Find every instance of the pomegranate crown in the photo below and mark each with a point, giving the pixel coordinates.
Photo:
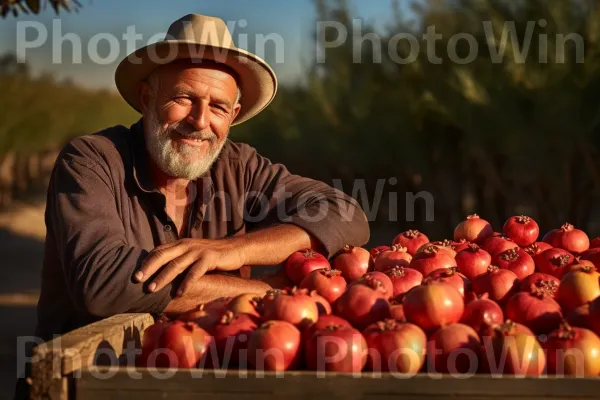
(560, 260)
(567, 227)
(472, 216)
(523, 219)
(509, 255)
(412, 234)
(399, 248)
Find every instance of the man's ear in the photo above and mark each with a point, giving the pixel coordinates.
(236, 111)
(144, 93)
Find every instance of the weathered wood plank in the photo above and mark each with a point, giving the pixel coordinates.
(131, 383)
(59, 358)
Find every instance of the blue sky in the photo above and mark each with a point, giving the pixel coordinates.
(293, 20)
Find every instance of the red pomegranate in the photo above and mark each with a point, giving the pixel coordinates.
(595, 243)
(275, 346)
(375, 252)
(497, 244)
(433, 305)
(592, 255)
(473, 261)
(594, 319)
(397, 308)
(482, 313)
(537, 248)
(205, 319)
(460, 245)
(295, 306)
(353, 262)
(569, 238)
(245, 303)
(536, 310)
(554, 262)
(513, 350)
(385, 280)
(395, 346)
(412, 240)
(452, 277)
(396, 256)
(473, 229)
(500, 284)
(573, 351)
(328, 283)
(231, 336)
(301, 263)
(323, 322)
(522, 230)
(578, 287)
(403, 279)
(538, 279)
(430, 259)
(322, 305)
(454, 348)
(580, 317)
(336, 348)
(364, 303)
(517, 261)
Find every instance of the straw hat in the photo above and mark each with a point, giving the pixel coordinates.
(198, 38)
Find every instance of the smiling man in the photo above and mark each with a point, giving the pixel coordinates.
(163, 215)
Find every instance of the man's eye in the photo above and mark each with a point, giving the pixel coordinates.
(219, 107)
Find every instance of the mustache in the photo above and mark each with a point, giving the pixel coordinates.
(189, 132)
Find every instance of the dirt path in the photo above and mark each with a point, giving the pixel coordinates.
(22, 232)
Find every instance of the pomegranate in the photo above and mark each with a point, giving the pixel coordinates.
(151, 341)
(536, 310)
(517, 261)
(375, 252)
(323, 322)
(554, 262)
(482, 313)
(328, 283)
(573, 351)
(302, 263)
(579, 264)
(460, 245)
(364, 303)
(537, 248)
(498, 244)
(433, 305)
(473, 229)
(412, 240)
(403, 279)
(578, 287)
(444, 246)
(571, 239)
(353, 262)
(218, 305)
(395, 346)
(396, 256)
(580, 317)
(294, 305)
(205, 319)
(473, 261)
(385, 280)
(500, 284)
(336, 348)
(452, 277)
(231, 336)
(397, 309)
(322, 305)
(454, 348)
(176, 344)
(430, 259)
(245, 303)
(538, 279)
(594, 318)
(595, 243)
(511, 350)
(522, 230)
(592, 255)
(275, 346)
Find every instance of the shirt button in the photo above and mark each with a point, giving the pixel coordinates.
(167, 228)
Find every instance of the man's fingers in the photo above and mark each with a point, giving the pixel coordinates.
(170, 271)
(197, 270)
(156, 259)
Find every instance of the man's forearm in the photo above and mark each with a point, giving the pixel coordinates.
(272, 246)
(213, 286)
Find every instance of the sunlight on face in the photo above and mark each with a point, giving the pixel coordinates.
(187, 118)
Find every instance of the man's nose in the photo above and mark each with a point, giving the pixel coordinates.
(199, 117)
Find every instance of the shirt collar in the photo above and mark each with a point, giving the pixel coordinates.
(143, 176)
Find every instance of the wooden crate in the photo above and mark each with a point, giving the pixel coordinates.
(68, 368)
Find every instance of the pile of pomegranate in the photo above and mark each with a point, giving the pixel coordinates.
(484, 302)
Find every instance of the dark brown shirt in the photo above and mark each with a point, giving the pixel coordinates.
(104, 214)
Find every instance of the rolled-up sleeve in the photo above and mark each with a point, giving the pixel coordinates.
(273, 195)
(98, 263)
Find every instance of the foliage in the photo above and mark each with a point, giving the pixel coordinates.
(16, 7)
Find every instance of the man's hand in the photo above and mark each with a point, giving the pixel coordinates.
(198, 255)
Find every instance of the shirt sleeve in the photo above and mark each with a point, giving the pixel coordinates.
(274, 195)
(98, 263)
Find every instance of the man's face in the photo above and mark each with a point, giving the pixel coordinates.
(188, 110)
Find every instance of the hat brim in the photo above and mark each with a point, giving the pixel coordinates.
(256, 79)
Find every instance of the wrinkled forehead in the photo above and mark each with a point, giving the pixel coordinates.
(220, 73)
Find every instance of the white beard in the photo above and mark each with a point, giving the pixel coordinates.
(175, 162)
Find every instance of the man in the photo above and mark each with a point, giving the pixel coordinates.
(160, 217)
